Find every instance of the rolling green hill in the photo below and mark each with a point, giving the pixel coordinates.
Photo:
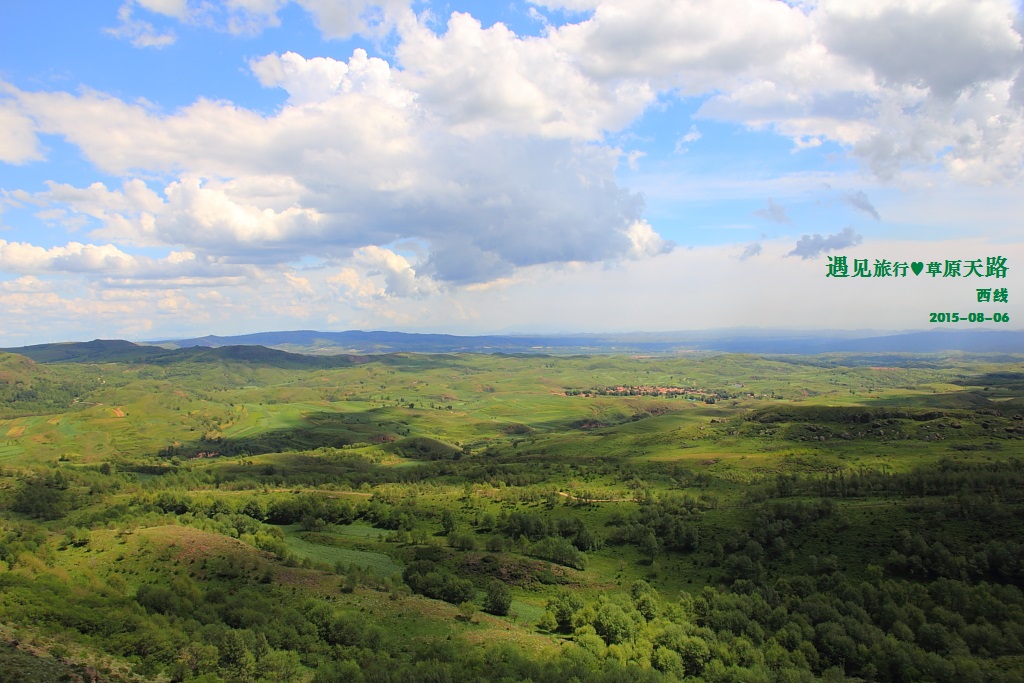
(245, 514)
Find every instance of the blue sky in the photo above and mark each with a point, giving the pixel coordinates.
(171, 168)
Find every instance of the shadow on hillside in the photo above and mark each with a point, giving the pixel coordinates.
(383, 425)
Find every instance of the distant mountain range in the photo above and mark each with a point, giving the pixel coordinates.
(330, 349)
(357, 341)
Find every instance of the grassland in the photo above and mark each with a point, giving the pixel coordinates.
(270, 518)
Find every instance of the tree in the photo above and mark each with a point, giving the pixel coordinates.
(46, 497)
(613, 624)
(467, 611)
(448, 522)
(668, 661)
(645, 599)
(235, 657)
(498, 599)
(547, 622)
(563, 608)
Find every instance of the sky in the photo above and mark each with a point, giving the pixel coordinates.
(177, 168)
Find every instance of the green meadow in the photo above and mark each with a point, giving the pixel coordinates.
(512, 517)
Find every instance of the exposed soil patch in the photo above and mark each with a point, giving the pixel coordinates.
(587, 425)
(512, 570)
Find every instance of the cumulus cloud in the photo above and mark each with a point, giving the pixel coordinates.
(480, 80)
(776, 213)
(211, 219)
(645, 242)
(400, 277)
(349, 283)
(898, 84)
(810, 246)
(307, 81)
(354, 158)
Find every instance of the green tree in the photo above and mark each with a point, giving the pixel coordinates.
(448, 522)
(668, 661)
(498, 599)
(548, 622)
(236, 659)
(564, 607)
(645, 599)
(613, 624)
(280, 666)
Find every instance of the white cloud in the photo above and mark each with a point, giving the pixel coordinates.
(178, 9)
(480, 80)
(238, 17)
(320, 79)
(18, 142)
(682, 144)
(210, 218)
(645, 242)
(19, 257)
(900, 84)
(354, 158)
(141, 33)
(348, 283)
(24, 285)
(117, 267)
(339, 19)
(307, 81)
(299, 285)
(946, 46)
(96, 201)
(399, 276)
(491, 150)
(336, 19)
(692, 45)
